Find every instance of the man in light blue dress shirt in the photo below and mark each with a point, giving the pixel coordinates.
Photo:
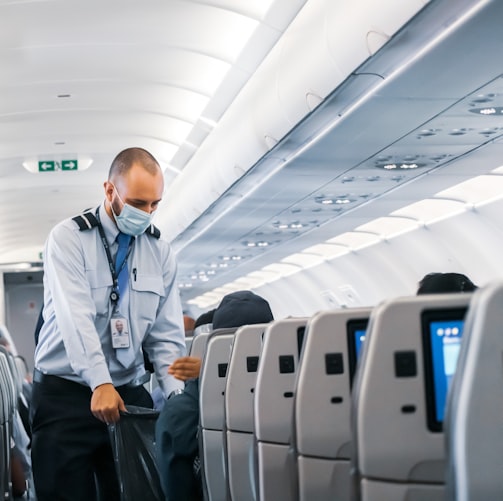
(82, 379)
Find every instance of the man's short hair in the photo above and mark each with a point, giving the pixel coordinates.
(130, 156)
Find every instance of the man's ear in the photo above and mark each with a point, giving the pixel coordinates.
(109, 190)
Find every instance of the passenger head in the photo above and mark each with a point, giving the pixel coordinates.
(438, 283)
(188, 325)
(241, 308)
(133, 190)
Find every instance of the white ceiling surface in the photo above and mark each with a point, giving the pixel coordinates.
(263, 117)
(87, 79)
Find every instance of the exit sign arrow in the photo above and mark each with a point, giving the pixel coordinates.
(47, 165)
(69, 165)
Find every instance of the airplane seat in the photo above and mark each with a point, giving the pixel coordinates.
(322, 403)
(474, 414)
(211, 407)
(273, 409)
(8, 397)
(238, 410)
(198, 345)
(188, 343)
(398, 444)
(4, 428)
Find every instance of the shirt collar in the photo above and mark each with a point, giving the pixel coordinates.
(109, 226)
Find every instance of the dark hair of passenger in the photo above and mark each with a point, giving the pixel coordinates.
(444, 283)
(130, 156)
(241, 308)
(204, 318)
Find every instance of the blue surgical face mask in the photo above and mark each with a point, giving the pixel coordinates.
(131, 221)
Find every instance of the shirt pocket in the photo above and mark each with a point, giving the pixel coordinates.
(148, 291)
(100, 284)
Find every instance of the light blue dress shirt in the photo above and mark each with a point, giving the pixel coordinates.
(75, 340)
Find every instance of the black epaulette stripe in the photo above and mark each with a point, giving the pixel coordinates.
(154, 231)
(86, 221)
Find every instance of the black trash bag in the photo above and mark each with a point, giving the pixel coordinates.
(133, 446)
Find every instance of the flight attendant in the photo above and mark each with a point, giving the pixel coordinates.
(103, 268)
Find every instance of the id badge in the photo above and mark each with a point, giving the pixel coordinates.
(120, 332)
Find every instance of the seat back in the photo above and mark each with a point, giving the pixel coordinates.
(198, 345)
(8, 395)
(211, 406)
(323, 435)
(397, 437)
(5, 413)
(188, 343)
(273, 409)
(474, 416)
(238, 406)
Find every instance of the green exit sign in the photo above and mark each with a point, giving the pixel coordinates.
(69, 165)
(52, 165)
(47, 166)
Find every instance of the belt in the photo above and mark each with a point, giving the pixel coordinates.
(40, 377)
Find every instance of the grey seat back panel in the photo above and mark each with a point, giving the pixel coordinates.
(322, 405)
(211, 406)
(239, 447)
(392, 441)
(213, 467)
(323, 479)
(324, 384)
(474, 420)
(381, 491)
(273, 409)
(242, 377)
(239, 396)
(273, 405)
(198, 345)
(277, 480)
(214, 377)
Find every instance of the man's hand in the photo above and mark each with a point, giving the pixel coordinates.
(106, 403)
(185, 368)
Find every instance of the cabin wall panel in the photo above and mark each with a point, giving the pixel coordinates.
(468, 243)
(22, 307)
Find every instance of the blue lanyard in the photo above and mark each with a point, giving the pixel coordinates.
(114, 295)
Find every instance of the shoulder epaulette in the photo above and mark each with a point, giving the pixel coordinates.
(86, 221)
(153, 231)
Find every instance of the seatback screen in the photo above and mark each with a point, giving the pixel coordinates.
(356, 330)
(442, 331)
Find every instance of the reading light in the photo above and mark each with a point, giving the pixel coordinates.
(330, 199)
(185, 286)
(294, 225)
(487, 111)
(401, 165)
